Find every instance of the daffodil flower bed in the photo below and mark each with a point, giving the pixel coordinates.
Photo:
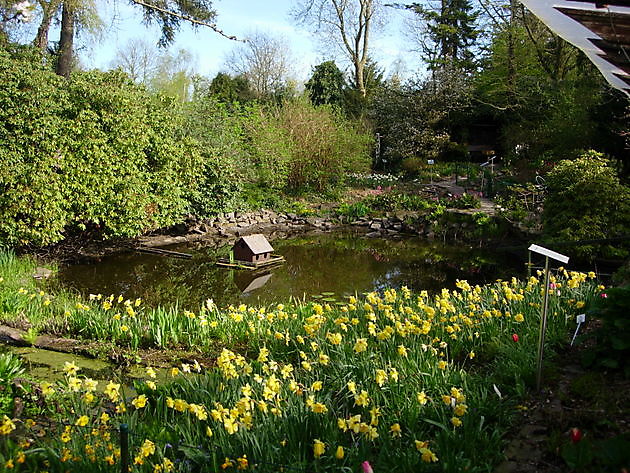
(403, 381)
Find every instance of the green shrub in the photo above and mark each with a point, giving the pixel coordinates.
(325, 145)
(612, 350)
(467, 200)
(355, 210)
(392, 201)
(269, 149)
(413, 166)
(218, 130)
(585, 201)
(96, 152)
(10, 368)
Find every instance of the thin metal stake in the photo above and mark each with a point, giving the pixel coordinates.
(543, 326)
(124, 448)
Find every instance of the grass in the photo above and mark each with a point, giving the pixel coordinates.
(405, 381)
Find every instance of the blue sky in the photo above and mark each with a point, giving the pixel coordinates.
(238, 17)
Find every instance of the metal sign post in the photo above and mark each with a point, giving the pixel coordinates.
(431, 162)
(543, 319)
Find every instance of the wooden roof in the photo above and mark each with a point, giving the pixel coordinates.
(257, 243)
(613, 29)
(599, 28)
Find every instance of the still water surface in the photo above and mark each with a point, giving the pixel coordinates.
(340, 263)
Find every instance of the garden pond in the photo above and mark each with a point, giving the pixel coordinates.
(319, 265)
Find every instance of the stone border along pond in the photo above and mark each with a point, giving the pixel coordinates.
(453, 225)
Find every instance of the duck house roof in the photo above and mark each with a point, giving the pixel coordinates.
(257, 243)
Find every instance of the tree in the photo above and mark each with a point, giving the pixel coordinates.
(174, 75)
(138, 59)
(415, 119)
(169, 14)
(265, 61)
(547, 97)
(356, 102)
(447, 33)
(227, 89)
(13, 12)
(350, 22)
(49, 11)
(326, 84)
(66, 40)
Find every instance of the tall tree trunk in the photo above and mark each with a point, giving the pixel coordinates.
(511, 56)
(66, 40)
(48, 12)
(358, 74)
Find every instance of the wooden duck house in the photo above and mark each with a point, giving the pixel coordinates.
(252, 249)
(251, 252)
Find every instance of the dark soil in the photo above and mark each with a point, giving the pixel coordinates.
(595, 402)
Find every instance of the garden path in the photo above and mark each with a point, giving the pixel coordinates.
(487, 205)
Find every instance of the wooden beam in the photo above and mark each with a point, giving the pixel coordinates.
(606, 3)
(611, 48)
(621, 63)
(623, 77)
(611, 26)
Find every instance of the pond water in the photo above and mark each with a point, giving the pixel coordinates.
(47, 365)
(340, 263)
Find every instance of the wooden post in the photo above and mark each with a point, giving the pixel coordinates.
(124, 448)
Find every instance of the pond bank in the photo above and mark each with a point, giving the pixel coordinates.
(453, 225)
(482, 225)
(58, 346)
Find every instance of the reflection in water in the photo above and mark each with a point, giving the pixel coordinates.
(343, 263)
(249, 281)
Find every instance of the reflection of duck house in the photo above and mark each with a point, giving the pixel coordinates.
(250, 281)
(251, 252)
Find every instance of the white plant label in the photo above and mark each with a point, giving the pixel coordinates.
(547, 252)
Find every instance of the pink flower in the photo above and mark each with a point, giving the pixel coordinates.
(575, 434)
(603, 295)
(552, 285)
(367, 468)
(515, 337)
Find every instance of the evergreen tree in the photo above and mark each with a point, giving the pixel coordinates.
(449, 32)
(326, 84)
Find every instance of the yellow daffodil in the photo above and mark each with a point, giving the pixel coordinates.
(360, 345)
(82, 421)
(319, 448)
(140, 401)
(47, 389)
(70, 368)
(427, 455)
(339, 453)
(7, 426)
